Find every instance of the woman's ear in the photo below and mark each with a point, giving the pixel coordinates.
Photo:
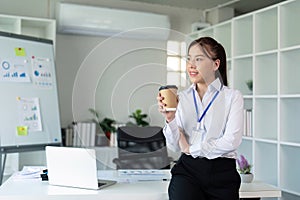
(217, 64)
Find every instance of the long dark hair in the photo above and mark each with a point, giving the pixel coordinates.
(214, 51)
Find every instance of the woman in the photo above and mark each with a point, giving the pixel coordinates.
(206, 127)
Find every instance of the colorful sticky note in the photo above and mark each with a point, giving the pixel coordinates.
(22, 130)
(20, 51)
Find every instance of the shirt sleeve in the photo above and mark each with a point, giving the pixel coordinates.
(231, 138)
(171, 132)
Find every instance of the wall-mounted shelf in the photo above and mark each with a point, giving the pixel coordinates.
(264, 46)
(36, 27)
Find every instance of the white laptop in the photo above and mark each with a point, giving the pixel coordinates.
(73, 167)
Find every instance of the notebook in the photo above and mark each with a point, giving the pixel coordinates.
(74, 167)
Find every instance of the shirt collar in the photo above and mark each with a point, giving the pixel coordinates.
(216, 85)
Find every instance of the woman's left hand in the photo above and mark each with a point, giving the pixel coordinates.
(183, 144)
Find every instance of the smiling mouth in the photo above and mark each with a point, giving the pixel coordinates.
(192, 74)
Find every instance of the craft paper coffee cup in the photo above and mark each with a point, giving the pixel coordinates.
(169, 92)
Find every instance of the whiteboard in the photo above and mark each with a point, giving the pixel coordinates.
(29, 101)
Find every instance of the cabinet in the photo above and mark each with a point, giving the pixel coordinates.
(36, 27)
(264, 46)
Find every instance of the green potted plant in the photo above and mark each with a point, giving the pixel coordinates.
(106, 124)
(249, 83)
(138, 116)
(245, 169)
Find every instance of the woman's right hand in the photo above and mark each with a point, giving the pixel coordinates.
(169, 115)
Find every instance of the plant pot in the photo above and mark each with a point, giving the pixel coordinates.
(107, 134)
(246, 178)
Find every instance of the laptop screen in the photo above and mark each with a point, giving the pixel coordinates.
(74, 167)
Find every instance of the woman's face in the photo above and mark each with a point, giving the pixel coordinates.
(200, 68)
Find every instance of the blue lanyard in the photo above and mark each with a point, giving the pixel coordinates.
(208, 106)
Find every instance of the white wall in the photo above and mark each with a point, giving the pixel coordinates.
(107, 102)
(128, 82)
(72, 50)
(115, 76)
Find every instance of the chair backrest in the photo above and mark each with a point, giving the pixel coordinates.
(141, 148)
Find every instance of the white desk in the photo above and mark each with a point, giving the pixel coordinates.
(258, 190)
(31, 189)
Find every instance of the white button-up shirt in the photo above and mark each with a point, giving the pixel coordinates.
(223, 122)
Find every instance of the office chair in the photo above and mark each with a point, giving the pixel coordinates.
(142, 148)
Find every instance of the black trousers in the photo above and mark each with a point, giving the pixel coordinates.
(204, 179)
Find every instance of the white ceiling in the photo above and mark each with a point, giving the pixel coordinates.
(240, 6)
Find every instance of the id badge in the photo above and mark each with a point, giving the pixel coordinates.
(198, 134)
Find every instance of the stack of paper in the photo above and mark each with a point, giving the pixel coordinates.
(68, 137)
(29, 172)
(84, 134)
(247, 122)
